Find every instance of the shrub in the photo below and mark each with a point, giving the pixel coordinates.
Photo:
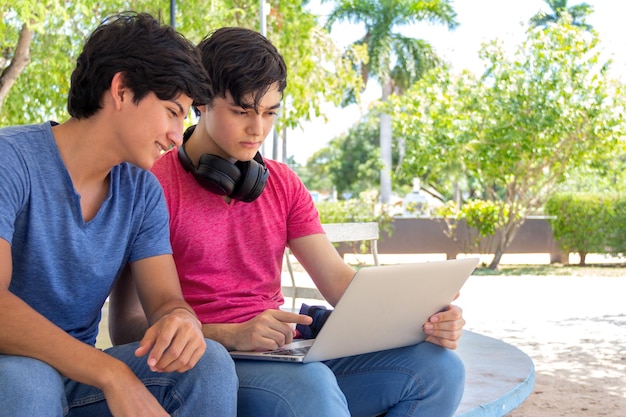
(482, 218)
(585, 223)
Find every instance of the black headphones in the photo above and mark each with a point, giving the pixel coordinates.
(243, 180)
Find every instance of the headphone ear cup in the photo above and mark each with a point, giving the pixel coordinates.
(217, 174)
(253, 178)
(242, 181)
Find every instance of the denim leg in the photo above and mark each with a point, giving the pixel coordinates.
(420, 380)
(281, 389)
(30, 388)
(208, 389)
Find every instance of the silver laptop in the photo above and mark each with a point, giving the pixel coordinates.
(384, 307)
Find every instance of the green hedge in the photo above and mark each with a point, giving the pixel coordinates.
(365, 208)
(588, 223)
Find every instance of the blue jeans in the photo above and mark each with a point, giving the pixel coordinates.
(420, 380)
(33, 388)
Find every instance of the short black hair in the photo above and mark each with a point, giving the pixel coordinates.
(151, 56)
(242, 62)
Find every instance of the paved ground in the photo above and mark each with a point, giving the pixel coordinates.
(574, 329)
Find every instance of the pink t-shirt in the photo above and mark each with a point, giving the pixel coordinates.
(229, 256)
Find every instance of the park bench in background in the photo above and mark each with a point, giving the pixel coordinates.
(352, 233)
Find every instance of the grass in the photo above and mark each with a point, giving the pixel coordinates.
(603, 270)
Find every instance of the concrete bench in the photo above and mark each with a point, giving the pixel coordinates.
(499, 376)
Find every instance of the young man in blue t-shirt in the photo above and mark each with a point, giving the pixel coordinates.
(76, 206)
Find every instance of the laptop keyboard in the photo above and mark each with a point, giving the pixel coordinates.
(290, 352)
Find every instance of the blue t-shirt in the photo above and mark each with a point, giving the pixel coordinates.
(63, 267)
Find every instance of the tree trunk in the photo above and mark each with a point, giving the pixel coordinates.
(20, 60)
(385, 148)
(497, 257)
(506, 237)
(275, 146)
(285, 156)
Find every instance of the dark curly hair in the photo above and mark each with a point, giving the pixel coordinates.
(242, 62)
(151, 56)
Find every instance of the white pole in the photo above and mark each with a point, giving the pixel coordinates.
(263, 29)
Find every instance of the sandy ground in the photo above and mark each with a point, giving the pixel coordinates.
(574, 329)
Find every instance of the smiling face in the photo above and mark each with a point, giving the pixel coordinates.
(152, 126)
(237, 132)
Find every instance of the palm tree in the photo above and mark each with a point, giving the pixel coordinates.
(559, 8)
(396, 61)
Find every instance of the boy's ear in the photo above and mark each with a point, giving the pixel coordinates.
(118, 90)
(201, 109)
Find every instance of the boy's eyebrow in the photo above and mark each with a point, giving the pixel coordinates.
(245, 105)
(180, 106)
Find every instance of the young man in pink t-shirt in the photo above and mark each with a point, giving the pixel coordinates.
(232, 214)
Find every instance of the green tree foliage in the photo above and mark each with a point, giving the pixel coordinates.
(602, 175)
(482, 219)
(315, 174)
(37, 36)
(350, 162)
(38, 90)
(361, 209)
(396, 61)
(318, 71)
(561, 11)
(518, 130)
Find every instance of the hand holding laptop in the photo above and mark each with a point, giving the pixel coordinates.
(446, 327)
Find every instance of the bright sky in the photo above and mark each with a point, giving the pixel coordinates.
(479, 21)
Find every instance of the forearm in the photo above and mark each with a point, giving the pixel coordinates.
(153, 294)
(168, 308)
(127, 330)
(134, 323)
(322, 262)
(333, 279)
(224, 333)
(25, 332)
(128, 321)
